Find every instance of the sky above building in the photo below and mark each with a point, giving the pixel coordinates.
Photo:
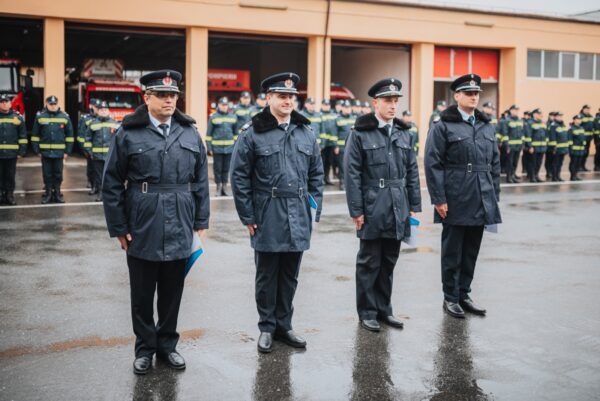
(546, 7)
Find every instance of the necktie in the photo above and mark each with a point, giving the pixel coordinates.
(471, 120)
(387, 129)
(283, 126)
(165, 129)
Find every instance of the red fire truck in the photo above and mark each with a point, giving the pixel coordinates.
(230, 83)
(103, 79)
(12, 83)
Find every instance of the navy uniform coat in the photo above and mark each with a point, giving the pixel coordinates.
(382, 178)
(267, 160)
(160, 223)
(452, 144)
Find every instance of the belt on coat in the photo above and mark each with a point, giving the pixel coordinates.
(284, 192)
(385, 183)
(470, 167)
(147, 187)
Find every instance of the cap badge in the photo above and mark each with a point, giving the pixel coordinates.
(288, 83)
(393, 88)
(473, 83)
(168, 81)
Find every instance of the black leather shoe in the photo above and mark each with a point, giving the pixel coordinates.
(265, 342)
(392, 321)
(46, 197)
(10, 199)
(371, 325)
(469, 306)
(93, 191)
(454, 309)
(291, 338)
(174, 360)
(59, 197)
(142, 365)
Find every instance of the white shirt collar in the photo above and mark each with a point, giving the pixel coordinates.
(465, 115)
(156, 123)
(383, 123)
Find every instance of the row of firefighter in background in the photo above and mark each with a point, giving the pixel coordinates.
(528, 138)
(330, 123)
(537, 142)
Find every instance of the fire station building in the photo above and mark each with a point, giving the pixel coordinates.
(531, 60)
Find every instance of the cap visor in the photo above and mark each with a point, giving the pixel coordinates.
(284, 90)
(388, 94)
(469, 89)
(163, 89)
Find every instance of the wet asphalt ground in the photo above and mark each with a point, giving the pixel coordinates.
(65, 329)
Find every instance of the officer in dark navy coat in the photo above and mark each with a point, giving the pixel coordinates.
(275, 170)
(155, 192)
(462, 167)
(382, 190)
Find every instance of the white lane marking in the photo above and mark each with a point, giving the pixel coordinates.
(222, 198)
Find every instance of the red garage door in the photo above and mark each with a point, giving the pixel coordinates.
(450, 63)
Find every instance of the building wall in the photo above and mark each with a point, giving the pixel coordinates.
(355, 70)
(361, 21)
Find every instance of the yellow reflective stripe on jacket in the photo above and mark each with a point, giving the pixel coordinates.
(100, 150)
(552, 143)
(526, 139)
(561, 129)
(208, 139)
(578, 131)
(344, 122)
(587, 119)
(223, 142)
(538, 125)
(504, 138)
(589, 133)
(235, 137)
(87, 144)
(23, 141)
(314, 119)
(4, 146)
(69, 139)
(562, 145)
(341, 142)
(538, 143)
(35, 139)
(515, 141)
(53, 146)
(514, 124)
(80, 139)
(221, 120)
(47, 120)
(242, 112)
(104, 125)
(578, 147)
(13, 120)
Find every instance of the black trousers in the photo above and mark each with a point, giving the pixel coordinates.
(597, 155)
(574, 165)
(503, 160)
(588, 144)
(529, 160)
(98, 169)
(52, 171)
(557, 163)
(512, 162)
(275, 287)
(221, 163)
(548, 162)
(90, 171)
(538, 160)
(340, 164)
(460, 248)
(375, 264)
(8, 171)
(328, 160)
(166, 279)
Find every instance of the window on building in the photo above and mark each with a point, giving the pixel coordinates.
(534, 63)
(586, 66)
(551, 64)
(598, 67)
(567, 65)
